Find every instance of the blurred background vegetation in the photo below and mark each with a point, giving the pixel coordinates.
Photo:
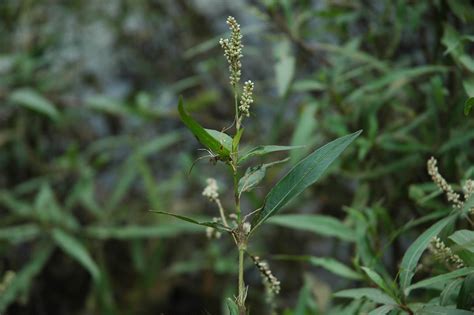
(90, 140)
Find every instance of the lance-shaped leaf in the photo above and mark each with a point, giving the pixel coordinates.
(464, 238)
(441, 279)
(204, 137)
(254, 175)
(413, 253)
(302, 175)
(265, 149)
(214, 225)
(372, 294)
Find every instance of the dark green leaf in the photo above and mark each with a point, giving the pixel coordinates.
(466, 294)
(468, 105)
(302, 175)
(201, 134)
(319, 224)
(450, 293)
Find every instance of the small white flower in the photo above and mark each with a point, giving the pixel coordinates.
(246, 227)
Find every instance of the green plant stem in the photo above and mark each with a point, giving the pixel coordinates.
(241, 298)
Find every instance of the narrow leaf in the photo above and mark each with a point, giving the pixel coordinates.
(214, 225)
(330, 264)
(31, 99)
(319, 224)
(441, 310)
(440, 279)
(265, 149)
(303, 174)
(382, 310)
(413, 253)
(379, 281)
(232, 306)
(24, 277)
(71, 246)
(370, 293)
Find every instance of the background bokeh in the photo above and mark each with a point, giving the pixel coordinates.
(90, 140)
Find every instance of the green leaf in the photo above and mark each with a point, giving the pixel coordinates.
(468, 105)
(335, 267)
(265, 149)
(382, 310)
(71, 246)
(139, 231)
(232, 306)
(303, 135)
(223, 138)
(440, 310)
(464, 238)
(319, 224)
(466, 294)
(214, 225)
(24, 277)
(370, 293)
(284, 68)
(236, 139)
(20, 233)
(450, 293)
(413, 253)
(379, 281)
(201, 134)
(440, 279)
(31, 99)
(330, 264)
(302, 175)
(253, 176)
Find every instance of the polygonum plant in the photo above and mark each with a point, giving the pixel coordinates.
(240, 224)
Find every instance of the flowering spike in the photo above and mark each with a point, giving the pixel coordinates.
(247, 98)
(233, 50)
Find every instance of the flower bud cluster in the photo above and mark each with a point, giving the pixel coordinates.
(233, 50)
(444, 253)
(247, 98)
(439, 180)
(269, 280)
(211, 190)
(213, 233)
